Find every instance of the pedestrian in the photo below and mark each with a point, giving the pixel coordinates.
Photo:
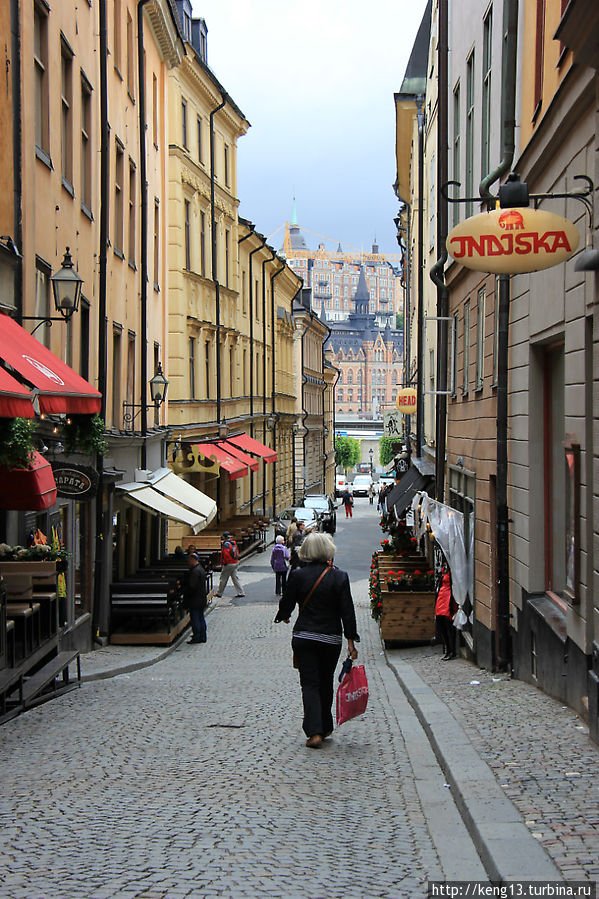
(195, 598)
(445, 609)
(291, 531)
(279, 561)
(326, 611)
(348, 501)
(371, 493)
(296, 541)
(229, 560)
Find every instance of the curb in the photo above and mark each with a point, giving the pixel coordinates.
(506, 847)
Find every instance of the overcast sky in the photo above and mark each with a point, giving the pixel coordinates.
(316, 80)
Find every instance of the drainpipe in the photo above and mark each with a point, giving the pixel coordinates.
(508, 102)
(213, 254)
(15, 25)
(100, 610)
(264, 263)
(273, 378)
(436, 273)
(143, 266)
(420, 288)
(251, 314)
(324, 436)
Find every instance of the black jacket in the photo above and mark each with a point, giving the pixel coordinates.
(194, 588)
(330, 609)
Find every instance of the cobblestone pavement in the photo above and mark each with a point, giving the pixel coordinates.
(191, 778)
(538, 749)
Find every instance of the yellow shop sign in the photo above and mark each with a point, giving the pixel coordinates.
(512, 241)
(406, 400)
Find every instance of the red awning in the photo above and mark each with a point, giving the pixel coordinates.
(32, 489)
(60, 389)
(15, 400)
(234, 468)
(253, 446)
(238, 454)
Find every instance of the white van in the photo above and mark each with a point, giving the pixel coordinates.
(341, 485)
(361, 485)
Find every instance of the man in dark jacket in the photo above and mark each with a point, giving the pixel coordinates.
(194, 597)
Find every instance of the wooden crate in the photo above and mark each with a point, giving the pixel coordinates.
(408, 616)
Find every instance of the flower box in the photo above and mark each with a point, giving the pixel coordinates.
(28, 567)
(408, 616)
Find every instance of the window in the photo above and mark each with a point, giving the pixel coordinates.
(200, 150)
(486, 98)
(192, 368)
(186, 26)
(155, 109)
(116, 378)
(227, 165)
(539, 57)
(84, 339)
(554, 473)
(227, 252)
(42, 298)
(116, 33)
(231, 371)
(66, 103)
(130, 57)
(207, 364)
(203, 244)
(119, 172)
(456, 146)
(496, 332)
(469, 131)
(86, 143)
(243, 296)
(40, 59)
(132, 202)
(131, 369)
(187, 235)
(184, 122)
(432, 201)
(156, 244)
(466, 355)
(480, 339)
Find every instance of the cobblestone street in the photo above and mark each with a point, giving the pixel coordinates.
(190, 777)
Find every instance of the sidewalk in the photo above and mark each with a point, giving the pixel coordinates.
(520, 766)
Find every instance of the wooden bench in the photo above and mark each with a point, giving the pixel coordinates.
(10, 682)
(26, 616)
(10, 643)
(147, 610)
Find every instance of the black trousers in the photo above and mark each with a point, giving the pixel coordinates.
(280, 580)
(446, 633)
(316, 663)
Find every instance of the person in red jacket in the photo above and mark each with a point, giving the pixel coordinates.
(445, 609)
(229, 560)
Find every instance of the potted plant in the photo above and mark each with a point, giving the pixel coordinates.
(410, 580)
(26, 478)
(84, 434)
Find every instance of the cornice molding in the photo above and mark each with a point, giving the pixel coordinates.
(165, 32)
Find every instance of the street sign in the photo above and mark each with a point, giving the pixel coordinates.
(392, 424)
(406, 400)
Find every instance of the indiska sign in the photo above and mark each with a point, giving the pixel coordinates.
(513, 241)
(406, 400)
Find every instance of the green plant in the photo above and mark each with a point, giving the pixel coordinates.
(386, 453)
(410, 580)
(347, 452)
(16, 442)
(84, 434)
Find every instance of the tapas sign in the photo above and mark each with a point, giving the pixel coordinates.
(513, 241)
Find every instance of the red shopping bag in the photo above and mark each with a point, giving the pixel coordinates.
(352, 694)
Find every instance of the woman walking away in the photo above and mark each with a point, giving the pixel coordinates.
(348, 501)
(279, 559)
(326, 610)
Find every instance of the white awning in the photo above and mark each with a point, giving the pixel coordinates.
(173, 487)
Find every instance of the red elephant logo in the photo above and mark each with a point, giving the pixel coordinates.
(511, 221)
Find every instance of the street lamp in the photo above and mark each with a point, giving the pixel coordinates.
(66, 290)
(158, 388)
(371, 451)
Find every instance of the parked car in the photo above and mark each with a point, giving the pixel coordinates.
(341, 485)
(361, 485)
(386, 479)
(326, 509)
(308, 516)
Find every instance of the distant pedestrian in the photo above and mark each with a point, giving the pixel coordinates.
(445, 609)
(279, 562)
(348, 501)
(371, 494)
(229, 560)
(195, 598)
(326, 611)
(289, 533)
(296, 542)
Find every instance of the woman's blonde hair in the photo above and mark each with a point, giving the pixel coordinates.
(317, 548)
